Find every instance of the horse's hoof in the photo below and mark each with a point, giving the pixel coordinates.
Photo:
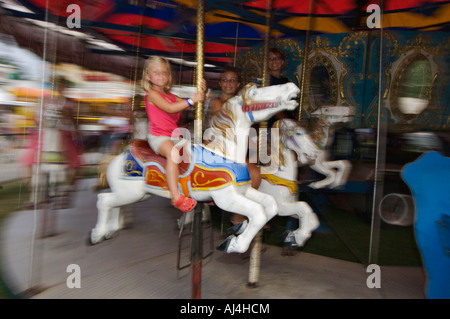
(301, 238)
(88, 241)
(94, 238)
(238, 228)
(225, 244)
(111, 234)
(314, 185)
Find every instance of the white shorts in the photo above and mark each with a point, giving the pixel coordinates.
(155, 141)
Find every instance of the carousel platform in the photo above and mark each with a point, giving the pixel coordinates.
(142, 261)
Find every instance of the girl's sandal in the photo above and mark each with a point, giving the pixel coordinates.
(185, 204)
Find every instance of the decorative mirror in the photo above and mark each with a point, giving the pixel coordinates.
(322, 85)
(319, 86)
(414, 86)
(321, 77)
(411, 90)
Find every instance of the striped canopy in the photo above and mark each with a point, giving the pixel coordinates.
(169, 26)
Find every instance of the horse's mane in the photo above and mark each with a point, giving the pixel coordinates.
(316, 128)
(278, 157)
(223, 123)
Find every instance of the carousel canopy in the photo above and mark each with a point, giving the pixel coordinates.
(168, 27)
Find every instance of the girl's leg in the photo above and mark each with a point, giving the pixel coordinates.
(172, 156)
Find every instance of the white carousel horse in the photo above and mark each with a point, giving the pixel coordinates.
(295, 147)
(321, 129)
(217, 172)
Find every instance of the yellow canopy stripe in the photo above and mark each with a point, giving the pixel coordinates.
(414, 20)
(320, 24)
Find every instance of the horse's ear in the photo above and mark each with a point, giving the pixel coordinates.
(245, 88)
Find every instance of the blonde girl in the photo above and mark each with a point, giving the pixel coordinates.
(164, 112)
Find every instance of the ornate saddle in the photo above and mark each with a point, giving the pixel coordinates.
(143, 152)
(204, 170)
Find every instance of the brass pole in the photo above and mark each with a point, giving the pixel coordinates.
(305, 57)
(198, 127)
(197, 242)
(255, 253)
(133, 99)
(262, 132)
(266, 75)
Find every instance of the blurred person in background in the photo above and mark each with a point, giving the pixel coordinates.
(55, 142)
(277, 65)
(72, 141)
(230, 83)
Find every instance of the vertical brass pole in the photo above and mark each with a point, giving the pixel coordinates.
(262, 132)
(305, 57)
(133, 99)
(198, 133)
(197, 242)
(255, 253)
(197, 253)
(266, 75)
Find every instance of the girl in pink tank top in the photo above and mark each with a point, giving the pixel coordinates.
(163, 110)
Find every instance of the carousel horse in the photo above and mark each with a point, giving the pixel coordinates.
(296, 147)
(215, 172)
(321, 128)
(282, 182)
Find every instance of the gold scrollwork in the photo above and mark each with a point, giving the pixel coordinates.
(130, 168)
(349, 41)
(208, 182)
(155, 177)
(420, 42)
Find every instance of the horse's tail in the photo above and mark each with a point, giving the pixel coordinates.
(102, 167)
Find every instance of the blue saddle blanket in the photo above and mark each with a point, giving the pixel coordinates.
(210, 160)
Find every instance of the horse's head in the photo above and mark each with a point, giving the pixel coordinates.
(335, 114)
(231, 125)
(261, 103)
(297, 139)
